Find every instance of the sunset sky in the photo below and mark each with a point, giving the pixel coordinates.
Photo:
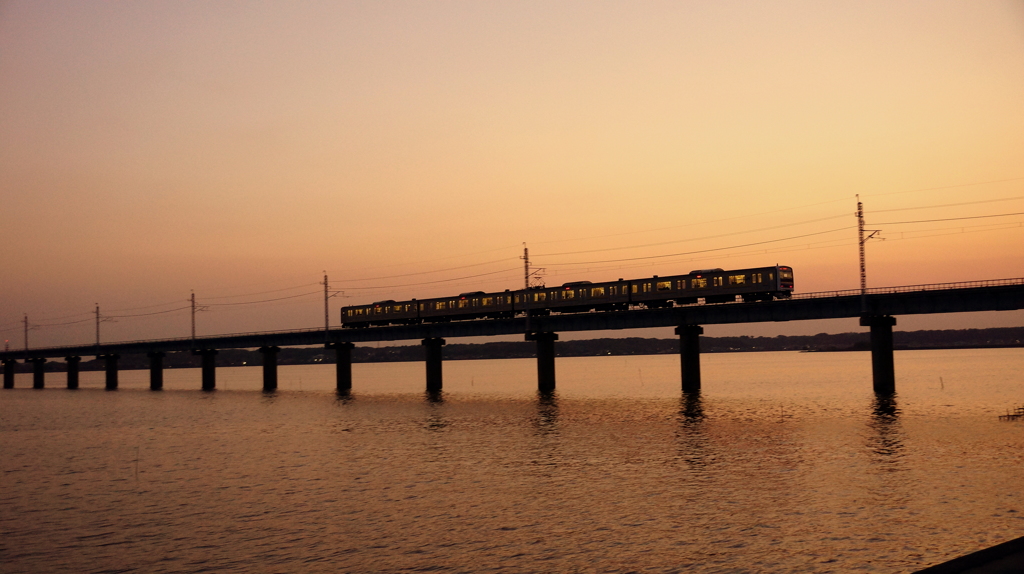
(410, 149)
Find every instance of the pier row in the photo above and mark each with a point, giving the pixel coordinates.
(877, 309)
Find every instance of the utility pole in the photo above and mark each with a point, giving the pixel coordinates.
(26, 332)
(861, 240)
(193, 316)
(526, 286)
(97, 324)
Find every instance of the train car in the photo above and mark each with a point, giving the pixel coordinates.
(707, 285)
(713, 286)
(574, 297)
(473, 305)
(389, 312)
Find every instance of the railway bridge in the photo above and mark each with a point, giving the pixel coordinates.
(877, 309)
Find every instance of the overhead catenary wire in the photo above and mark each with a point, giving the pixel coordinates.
(692, 239)
(947, 204)
(948, 219)
(431, 282)
(709, 250)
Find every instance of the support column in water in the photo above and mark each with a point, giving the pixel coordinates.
(689, 356)
(433, 355)
(9, 373)
(883, 373)
(545, 360)
(209, 357)
(156, 370)
(38, 372)
(269, 368)
(111, 367)
(73, 371)
(343, 365)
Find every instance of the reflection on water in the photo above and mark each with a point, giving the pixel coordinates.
(433, 396)
(692, 438)
(886, 442)
(546, 421)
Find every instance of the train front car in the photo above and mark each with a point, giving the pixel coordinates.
(785, 288)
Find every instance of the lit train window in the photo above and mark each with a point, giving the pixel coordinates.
(699, 283)
(540, 297)
(487, 301)
(681, 284)
(422, 306)
(771, 276)
(755, 277)
(634, 288)
(597, 291)
(664, 286)
(737, 279)
(463, 303)
(786, 275)
(717, 281)
(440, 305)
(568, 294)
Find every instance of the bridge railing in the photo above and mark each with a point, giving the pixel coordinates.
(911, 288)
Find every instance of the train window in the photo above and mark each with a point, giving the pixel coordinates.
(681, 284)
(568, 294)
(359, 311)
(540, 297)
(422, 306)
(440, 306)
(463, 303)
(597, 292)
(377, 310)
(786, 275)
(700, 283)
(771, 276)
(717, 281)
(737, 279)
(755, 277)
(517, 298)
(634, 288)
(664, 285)
(487, 301)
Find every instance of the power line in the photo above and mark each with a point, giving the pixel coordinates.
(944, 187)
(433, 271)
(947, 205)
(708, 250)
(434, 282)
(695, 238)
(258, 293)
(146, 314)
(262, 301)
(949, 219)
(690, 224)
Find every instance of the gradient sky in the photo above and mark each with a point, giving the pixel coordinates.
(240, 149)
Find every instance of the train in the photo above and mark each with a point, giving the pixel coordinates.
(702, 285)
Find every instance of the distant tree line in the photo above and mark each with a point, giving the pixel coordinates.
(822, 342)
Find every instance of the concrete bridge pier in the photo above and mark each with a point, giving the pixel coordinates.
(689, 356)
(38, 372)
(343, 365)
(73, 371)
(883, 373)
(156, 370)
(111, 368)
(9, 373)
(433, 352)
(209, 366)
(545, 360)
(269, 368)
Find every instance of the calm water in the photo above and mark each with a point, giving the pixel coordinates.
(786, 463)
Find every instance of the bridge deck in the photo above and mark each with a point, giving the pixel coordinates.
(995, 295)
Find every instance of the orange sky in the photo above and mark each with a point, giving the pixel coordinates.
(238, 149)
